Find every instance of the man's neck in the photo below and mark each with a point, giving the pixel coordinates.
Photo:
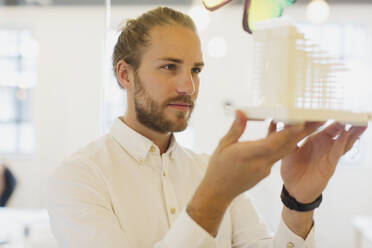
(162, 140)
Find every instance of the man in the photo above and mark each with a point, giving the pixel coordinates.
(136, 187)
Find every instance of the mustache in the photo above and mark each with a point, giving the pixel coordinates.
(183, 99)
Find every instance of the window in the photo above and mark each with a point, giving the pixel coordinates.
(18, 52)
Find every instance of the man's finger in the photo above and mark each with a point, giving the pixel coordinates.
(272, 128)
(314, 124)
(307, 125)
(330, 131)
(279, 144)
(236, 130)
(338, 149)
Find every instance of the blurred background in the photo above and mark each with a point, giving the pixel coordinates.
(57, 93)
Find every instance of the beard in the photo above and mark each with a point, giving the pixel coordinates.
(152, 114)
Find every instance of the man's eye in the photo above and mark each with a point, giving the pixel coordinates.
(196, 70)
(169, 67)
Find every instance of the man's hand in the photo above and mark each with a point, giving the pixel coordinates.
(307, 170)
(237, 166)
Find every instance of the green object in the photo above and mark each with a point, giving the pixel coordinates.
(254, 10)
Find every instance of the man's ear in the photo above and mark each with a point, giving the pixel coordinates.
(124, 74)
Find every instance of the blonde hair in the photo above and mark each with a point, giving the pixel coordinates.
(135, 36)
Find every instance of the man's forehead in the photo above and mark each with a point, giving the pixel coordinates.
(172, 41)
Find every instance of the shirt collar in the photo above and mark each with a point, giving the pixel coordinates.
(135, 143)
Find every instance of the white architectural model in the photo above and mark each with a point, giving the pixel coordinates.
(294, 80)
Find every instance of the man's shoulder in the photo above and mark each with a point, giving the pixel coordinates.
(80, 172)
(87, 156)
(91, 150)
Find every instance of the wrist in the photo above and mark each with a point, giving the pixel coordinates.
(207, 208)
(207, 199)
(299, 223)
(291, 202)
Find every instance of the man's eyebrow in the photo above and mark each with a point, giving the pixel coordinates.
(179, 61)
(201, 64)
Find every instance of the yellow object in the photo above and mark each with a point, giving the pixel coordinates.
(254, 10)
(173, 210)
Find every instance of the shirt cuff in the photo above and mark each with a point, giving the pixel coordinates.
(185, 232)
(284, 237)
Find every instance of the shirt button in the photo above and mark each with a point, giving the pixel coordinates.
(141, 161)
(290, 245)
(164, 174)
(152, 149)
(173, 210)
(171, 158)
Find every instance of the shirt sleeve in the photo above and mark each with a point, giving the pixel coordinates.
(80, 210)
(81, 214)
(286, 238)
(249, 231)
(185, 232)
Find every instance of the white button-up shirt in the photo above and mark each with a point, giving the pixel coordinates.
(119, 192)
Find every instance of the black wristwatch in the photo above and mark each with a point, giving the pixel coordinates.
(291, 203)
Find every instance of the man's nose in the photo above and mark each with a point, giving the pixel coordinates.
(186, 84)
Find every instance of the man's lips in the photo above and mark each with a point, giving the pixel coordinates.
(181, 106)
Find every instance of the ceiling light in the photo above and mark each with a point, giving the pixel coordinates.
(317, 11)
(217, 47)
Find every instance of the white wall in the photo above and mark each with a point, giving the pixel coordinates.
(68, 99)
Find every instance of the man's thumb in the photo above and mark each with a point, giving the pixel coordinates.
(236, 130)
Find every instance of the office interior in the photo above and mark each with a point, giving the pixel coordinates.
(65, 95)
